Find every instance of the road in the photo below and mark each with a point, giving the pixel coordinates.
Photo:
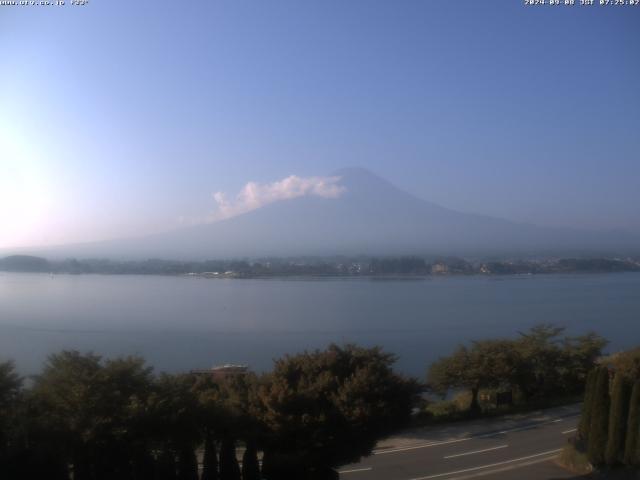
(514, 447)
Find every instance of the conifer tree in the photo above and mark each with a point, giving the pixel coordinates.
(229, 468)
(268, 467)
(618, 417)
(599, 423)
(143, 465)
(250, 465)
(587, 406)
(166, 466)
(210, 460)
(632, 443)
(187, 464)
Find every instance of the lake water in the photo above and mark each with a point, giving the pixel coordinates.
(180, 323)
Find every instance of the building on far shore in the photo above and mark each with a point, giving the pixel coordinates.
(439, 268)
(220, 372)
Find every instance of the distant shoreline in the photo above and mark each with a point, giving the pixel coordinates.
(401, 268)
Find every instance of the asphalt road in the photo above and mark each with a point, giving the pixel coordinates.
(519, 448)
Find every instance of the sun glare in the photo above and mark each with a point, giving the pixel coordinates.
(24, 197)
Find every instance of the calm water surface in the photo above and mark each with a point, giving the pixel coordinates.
(179, 323)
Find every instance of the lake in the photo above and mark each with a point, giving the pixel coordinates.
(180, 323)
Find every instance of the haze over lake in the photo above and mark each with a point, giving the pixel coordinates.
(180, 323)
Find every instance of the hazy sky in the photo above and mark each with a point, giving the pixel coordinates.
(121, 118)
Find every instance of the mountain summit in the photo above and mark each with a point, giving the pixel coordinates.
(370, 216)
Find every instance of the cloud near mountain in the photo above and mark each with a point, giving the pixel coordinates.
(255, 195)
(349, 212)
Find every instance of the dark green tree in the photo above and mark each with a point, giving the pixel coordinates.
(599, 423)
(90, 410)
(618, 417)
(269, 466)
(553, 364)
(627, 363)
(579, 356)
(229, 468)
(540, 363)
(632, 443)
(250, 465)
(144, 465)
(187, 464)
(587, 406)
(210, 459)
(230, 405)
(174, 414)
(166, 465)
(25, 451)
(541, 352)
(487, 364)
(10, 385)
(327, 408)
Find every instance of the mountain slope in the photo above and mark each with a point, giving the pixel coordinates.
(371, 217)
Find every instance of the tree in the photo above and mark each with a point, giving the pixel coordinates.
(632, 443)
(487, 364)
(231, 406)
(93, 408)
(627, 363)
(144, 465)
(454, 372)
(579, 356)
(587, 406)
(543, 358)
(401, 265)
(210, 459)
(187, 464)
(166, 465)
(250, 465)
(174, 414)
(618, 417)
(229, 468)
(599, 423)
(327, 408)
(10, 389)
(10, 384)
(269, 466)
(539, 363)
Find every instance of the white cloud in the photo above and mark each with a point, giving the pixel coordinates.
(255, 195)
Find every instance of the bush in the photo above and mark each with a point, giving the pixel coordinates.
(444, 410)
(575, 459)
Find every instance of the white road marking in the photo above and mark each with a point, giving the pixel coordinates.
(466, 439)
(557, 420)
(439, 475)
(504, 468)
(570, 431)
(356, 470)
(476, 451)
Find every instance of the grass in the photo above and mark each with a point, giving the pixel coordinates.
(457, 408)
(574, 459)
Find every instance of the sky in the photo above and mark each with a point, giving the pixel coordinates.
(124, 118)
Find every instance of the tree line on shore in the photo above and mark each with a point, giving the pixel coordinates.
(338, 266)
(91, 418)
